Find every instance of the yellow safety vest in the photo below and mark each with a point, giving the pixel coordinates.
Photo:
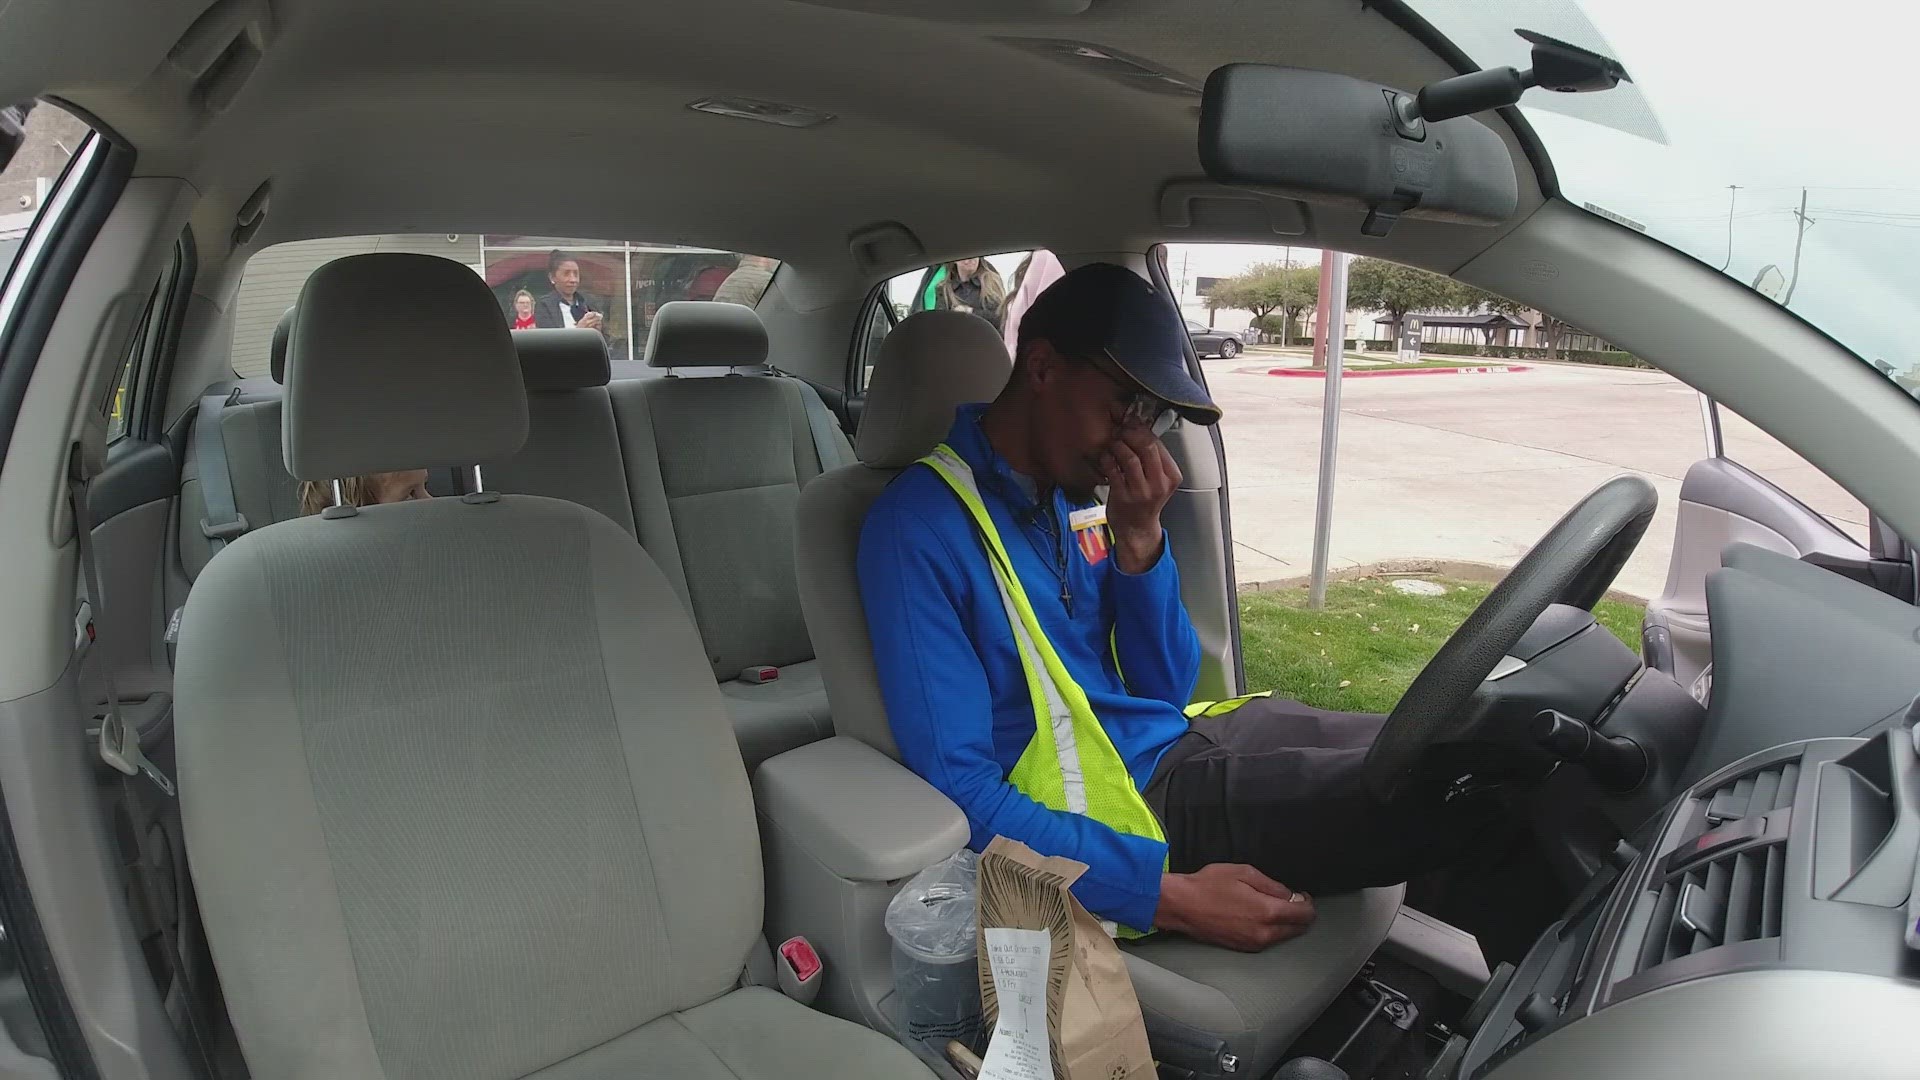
(1071, 763)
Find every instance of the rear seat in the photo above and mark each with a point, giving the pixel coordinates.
(572, 450)
(263, 491)
(704, 471)
(715, 466)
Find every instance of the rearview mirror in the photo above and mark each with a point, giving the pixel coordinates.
(1326, 138)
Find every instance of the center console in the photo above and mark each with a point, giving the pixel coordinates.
(1767, 919)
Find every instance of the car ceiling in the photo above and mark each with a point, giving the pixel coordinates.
(378, 116)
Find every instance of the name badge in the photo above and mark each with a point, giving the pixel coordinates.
(1091, 517)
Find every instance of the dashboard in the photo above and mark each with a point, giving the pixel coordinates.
(1766, 923)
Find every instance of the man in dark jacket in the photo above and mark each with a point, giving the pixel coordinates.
(566, 305)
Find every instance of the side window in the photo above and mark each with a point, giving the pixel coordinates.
(51, 136)
(878, 324)
(997, 288)
(138, 376)
(122, 386)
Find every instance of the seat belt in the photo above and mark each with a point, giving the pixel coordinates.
(150, 853)
(223, 522)
(823, 426)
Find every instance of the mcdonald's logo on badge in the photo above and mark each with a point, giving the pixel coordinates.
(1090, 532)
(1093, 544)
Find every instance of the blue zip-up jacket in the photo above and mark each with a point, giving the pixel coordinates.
(950, 673)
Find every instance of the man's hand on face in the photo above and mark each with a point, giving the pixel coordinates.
(1141, 477)
(1233, 905)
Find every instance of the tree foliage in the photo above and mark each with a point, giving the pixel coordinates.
(1267, 288)
(1400, 290)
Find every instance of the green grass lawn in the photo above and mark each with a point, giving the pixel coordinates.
(1362, 651)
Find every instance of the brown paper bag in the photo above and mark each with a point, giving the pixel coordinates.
(1093, 1017)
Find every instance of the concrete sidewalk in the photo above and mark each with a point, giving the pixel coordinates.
(1470, 468)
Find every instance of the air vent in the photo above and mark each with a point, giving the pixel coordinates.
(1754, 795)
(1759, 792)
(1724, 902)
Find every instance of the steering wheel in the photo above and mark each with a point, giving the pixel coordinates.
(1573, 564)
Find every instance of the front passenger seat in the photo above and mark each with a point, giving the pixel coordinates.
(457, 784)
(1212, 1002)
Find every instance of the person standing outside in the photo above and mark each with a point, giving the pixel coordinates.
(523, 311)
(566, 305)
(972, 286)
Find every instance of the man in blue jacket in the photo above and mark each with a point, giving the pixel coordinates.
(1038, 665)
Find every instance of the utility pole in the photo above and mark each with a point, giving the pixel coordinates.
(1805, 222)
(1733, 193)
(1185, 257)
(1333, 332)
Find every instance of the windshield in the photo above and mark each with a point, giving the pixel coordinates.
(1771, 143)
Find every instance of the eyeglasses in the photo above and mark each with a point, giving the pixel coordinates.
(1138, 406)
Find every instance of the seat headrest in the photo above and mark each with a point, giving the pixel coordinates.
(933, 363)
(277, 352)
(399, 361)
(704, 333)
(562, 358)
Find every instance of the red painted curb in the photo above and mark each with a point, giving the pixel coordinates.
(1320, 373)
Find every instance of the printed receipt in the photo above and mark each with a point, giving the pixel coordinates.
(1019, 1049)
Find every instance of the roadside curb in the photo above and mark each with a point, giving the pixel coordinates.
(1320, 373)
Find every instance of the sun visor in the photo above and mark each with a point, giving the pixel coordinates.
(1336, 140)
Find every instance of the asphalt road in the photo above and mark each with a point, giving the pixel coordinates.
(1470, 467)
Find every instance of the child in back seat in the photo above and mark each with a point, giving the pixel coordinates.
(369, 490)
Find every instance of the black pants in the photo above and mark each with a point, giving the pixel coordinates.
(1279, 786)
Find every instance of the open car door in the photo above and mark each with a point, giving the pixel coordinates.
(1724, 502)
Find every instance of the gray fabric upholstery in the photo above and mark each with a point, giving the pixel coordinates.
(1260, 1002)
(831, 511)
(730, 454)
(772, 718)
(753, 1034)
(933, 362)
(701, 333)
(277, 352)
(562, 358)
(572, 450)
(262, 489)
(515, 836)
(374, 385)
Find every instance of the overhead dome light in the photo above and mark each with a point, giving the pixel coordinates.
(766, 112)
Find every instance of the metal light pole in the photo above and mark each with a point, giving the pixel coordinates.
(1333, 343)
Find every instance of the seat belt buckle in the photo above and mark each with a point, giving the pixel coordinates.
(759, 673)
(800, 969)
(226, 530)
(120, 749)
(83, 631)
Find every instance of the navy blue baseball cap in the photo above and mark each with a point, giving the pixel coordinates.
(1103, 309)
